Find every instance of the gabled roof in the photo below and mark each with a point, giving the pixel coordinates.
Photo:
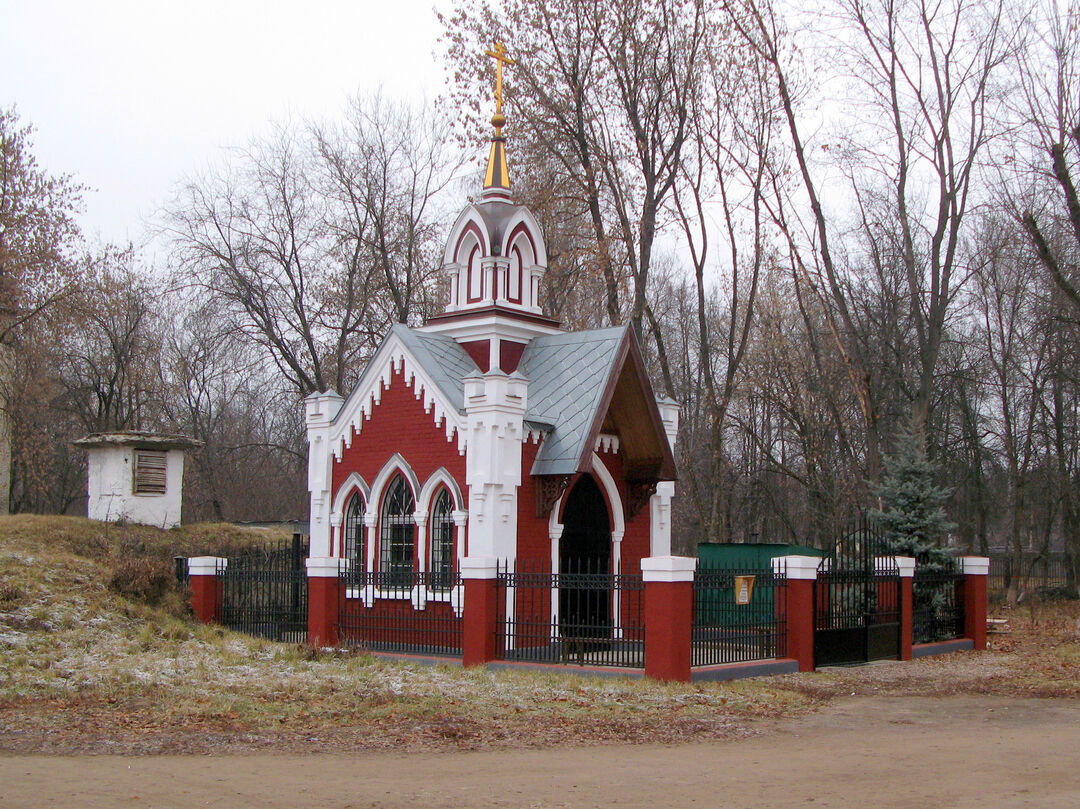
(585, 382)
(579, 384)
(567, 374)
(446, 362)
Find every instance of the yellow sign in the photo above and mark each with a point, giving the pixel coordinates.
(744, 586)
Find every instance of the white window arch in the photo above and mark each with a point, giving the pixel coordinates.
(353, 546)
(441, 544)
(397, 535)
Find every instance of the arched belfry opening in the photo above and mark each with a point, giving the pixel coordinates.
(585, 548)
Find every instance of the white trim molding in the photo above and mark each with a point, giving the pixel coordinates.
(393, 357)
(326, 567)
(427, 492)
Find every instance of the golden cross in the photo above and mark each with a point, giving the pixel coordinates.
(499, 54)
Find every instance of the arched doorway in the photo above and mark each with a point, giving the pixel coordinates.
(585, 563)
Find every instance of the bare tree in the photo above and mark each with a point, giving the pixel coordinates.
(606, 91)
(38, 242)
(304, 233)
(107, 355)
(1047, 203)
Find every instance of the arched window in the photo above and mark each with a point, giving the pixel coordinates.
(397, 534)
(352, 536)
(441, 546)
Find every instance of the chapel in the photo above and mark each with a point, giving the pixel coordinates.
(490, 432)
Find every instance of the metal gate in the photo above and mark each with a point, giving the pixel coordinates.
(583, 615)
(264, 592)
(857, 600)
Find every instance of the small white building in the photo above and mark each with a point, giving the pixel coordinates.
(135, 477)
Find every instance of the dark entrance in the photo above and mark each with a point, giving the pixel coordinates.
(857, 601)
(585, 564)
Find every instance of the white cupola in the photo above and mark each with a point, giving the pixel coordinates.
(494, 262)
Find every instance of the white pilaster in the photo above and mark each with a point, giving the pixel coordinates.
(660, 503)
(495, 411)
(371, 520)
(660, 519)
(320, 410)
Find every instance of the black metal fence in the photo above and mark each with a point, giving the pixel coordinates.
(738, 615)
(936, 609)
(1030, 572)
(584, 614)
(392, 611)
(264, 592)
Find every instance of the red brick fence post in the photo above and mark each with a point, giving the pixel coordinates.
(205, 586)
(906, 566)
(973, 593)
(324, 599)
(669, 615)
(480, 574)
(795, 606)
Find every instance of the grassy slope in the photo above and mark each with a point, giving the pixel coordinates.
(85, 668)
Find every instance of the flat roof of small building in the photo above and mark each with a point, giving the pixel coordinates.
(134, 438)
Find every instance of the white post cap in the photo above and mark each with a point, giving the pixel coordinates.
(906, 564)
(479, 567)
(206, 565)
(668, 568)
(797, 567)
(975, 565)
(326, 567)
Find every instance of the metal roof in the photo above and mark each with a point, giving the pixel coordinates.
(446, 362)
(567, 376)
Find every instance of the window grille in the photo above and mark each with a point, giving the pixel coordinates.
(397, 534)
(149, 472)
(353, 536)
(441, 549)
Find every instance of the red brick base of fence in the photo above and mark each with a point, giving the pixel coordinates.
(205, 586)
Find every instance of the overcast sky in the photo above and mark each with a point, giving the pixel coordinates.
(131, 96)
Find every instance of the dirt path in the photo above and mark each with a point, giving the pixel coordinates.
(880, 752)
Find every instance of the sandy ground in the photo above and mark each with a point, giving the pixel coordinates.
(875, 752)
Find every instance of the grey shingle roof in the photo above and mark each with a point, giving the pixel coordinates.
(567, 375)
(446, 362)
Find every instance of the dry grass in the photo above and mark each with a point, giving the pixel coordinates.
(86, 668)
(1038, 657)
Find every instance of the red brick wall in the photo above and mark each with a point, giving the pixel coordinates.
(510, 355)
(480, 351)
(396, 621)
(399, 424)
(534, 545)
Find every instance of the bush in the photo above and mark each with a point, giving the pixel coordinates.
(146, 579)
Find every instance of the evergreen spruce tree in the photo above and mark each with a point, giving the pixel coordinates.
(912, 506)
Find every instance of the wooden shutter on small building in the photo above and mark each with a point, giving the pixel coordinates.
(149, 472)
